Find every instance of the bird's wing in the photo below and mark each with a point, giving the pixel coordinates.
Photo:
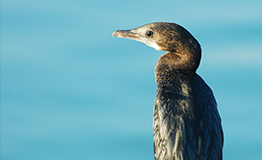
(181, 134)
(209, 130)
(170, 126)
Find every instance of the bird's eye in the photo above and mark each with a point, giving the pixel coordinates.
(149, 33)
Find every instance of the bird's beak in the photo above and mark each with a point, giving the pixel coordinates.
(136, 35)
(130, 34)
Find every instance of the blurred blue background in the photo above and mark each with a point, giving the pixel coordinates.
(69, 90)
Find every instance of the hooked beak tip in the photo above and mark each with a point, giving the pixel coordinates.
(122, 33)
(115, 34)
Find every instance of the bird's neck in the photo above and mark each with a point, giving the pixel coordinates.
(177, 62)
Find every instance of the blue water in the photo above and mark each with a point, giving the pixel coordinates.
(69, 90)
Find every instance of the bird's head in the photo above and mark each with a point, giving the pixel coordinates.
(162, 36)
(165, 36)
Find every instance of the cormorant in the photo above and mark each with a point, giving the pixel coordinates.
(186, 124)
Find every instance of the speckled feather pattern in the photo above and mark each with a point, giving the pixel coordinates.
(186, 123)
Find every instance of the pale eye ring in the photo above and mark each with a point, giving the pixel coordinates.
(149, 33)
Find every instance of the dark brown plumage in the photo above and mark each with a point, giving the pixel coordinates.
(186, 125)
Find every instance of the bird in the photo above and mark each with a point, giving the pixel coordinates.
(186, 121)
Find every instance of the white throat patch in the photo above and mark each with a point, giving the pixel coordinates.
(154, 45)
